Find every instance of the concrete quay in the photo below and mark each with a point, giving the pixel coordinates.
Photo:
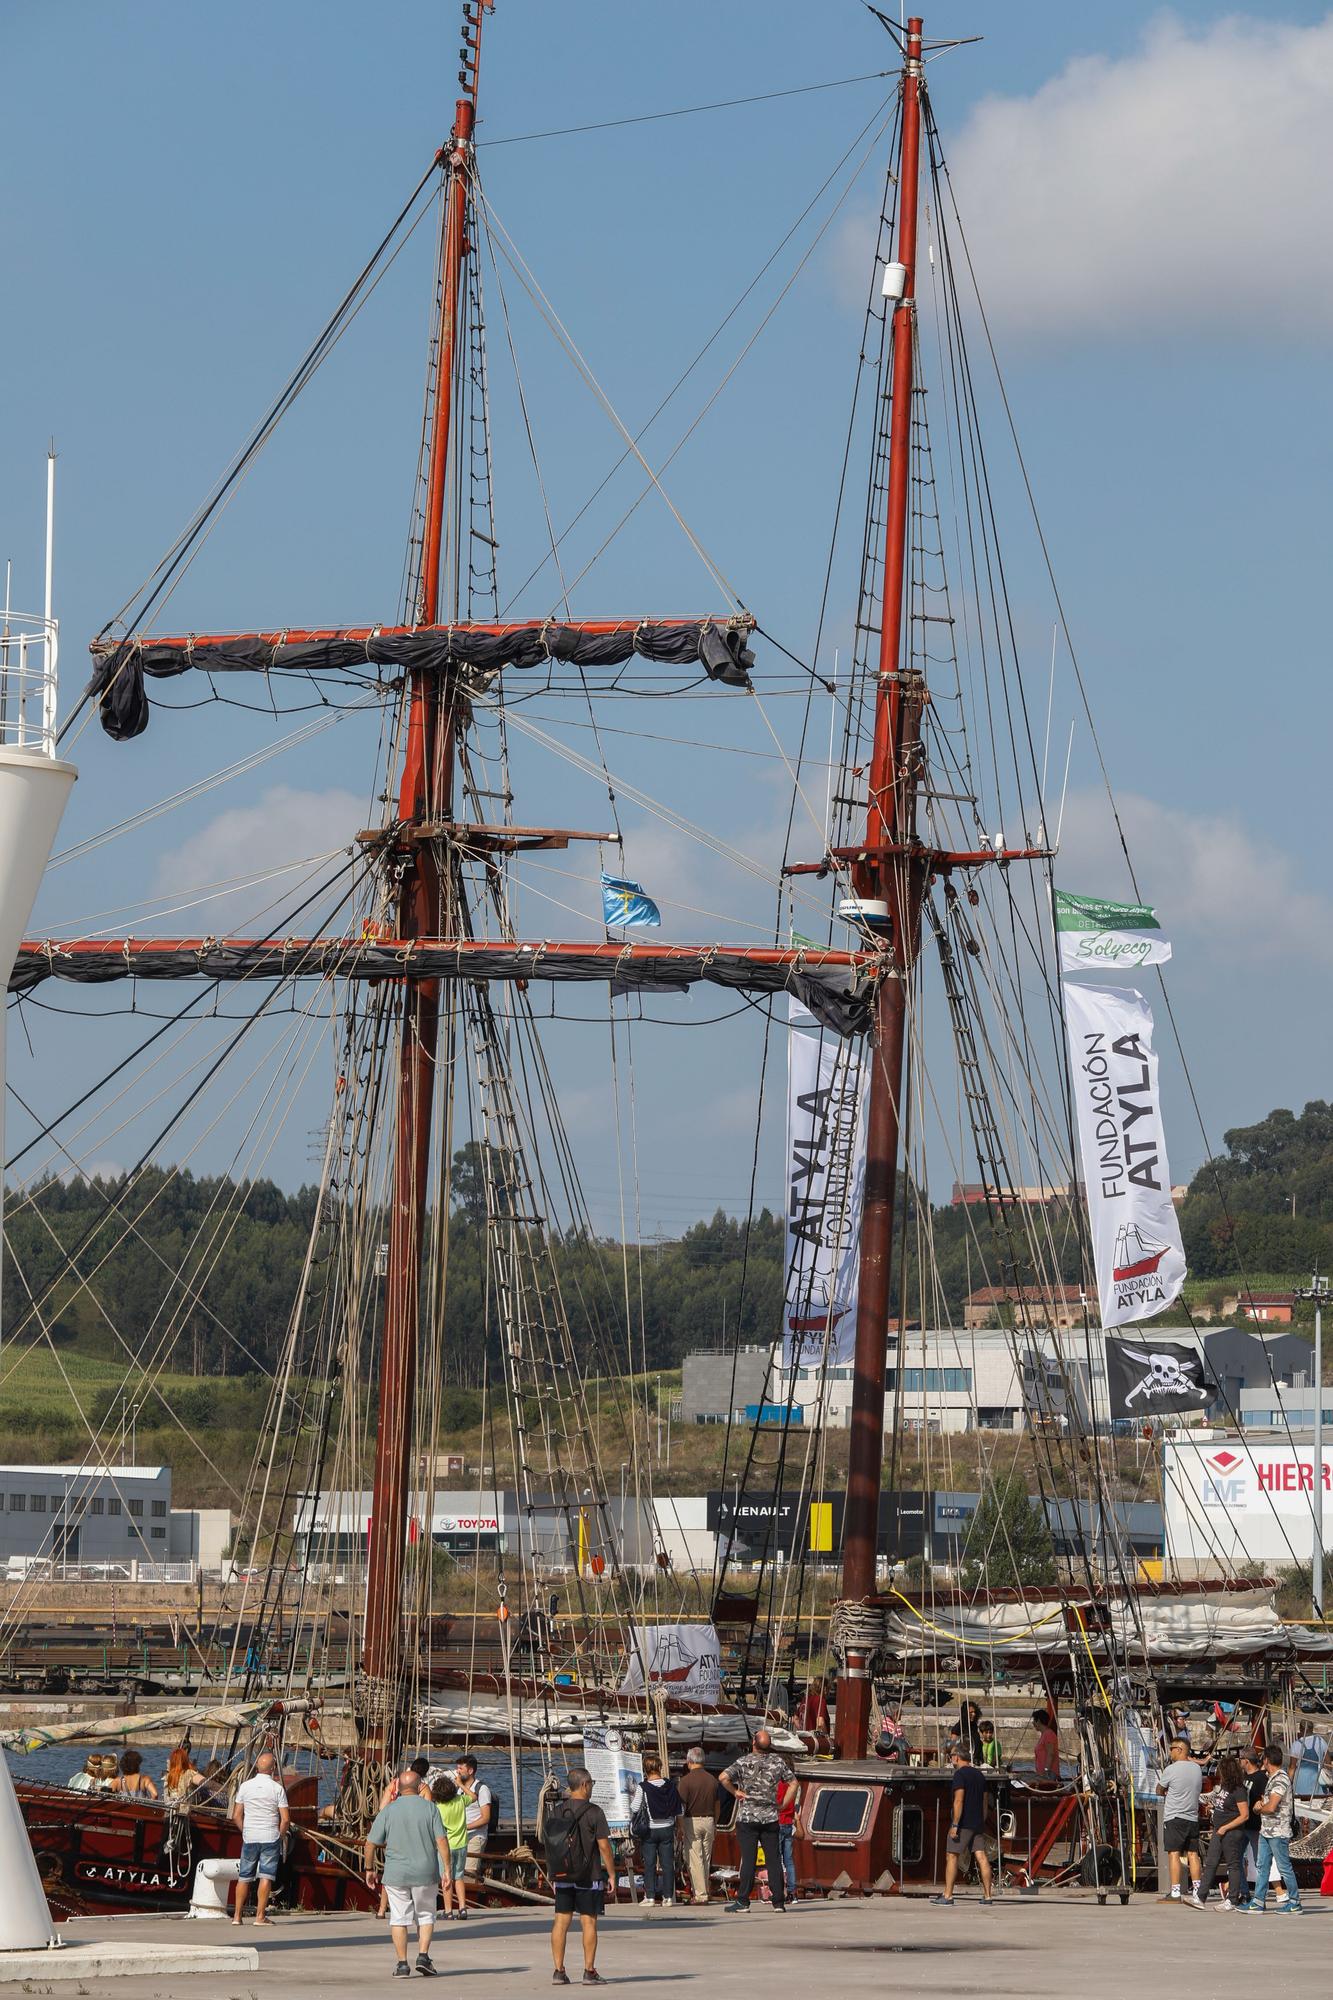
(1039, 1948)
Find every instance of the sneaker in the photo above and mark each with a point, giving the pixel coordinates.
(1255, 1910)
(1169, 1896)
(402, 1970)
(1226, 1904)
(1195, 1900)
(945, 1902)
(593, 1979)
(735, 1904)
(1292, 1907)
(426, 1966)
(560, 1977)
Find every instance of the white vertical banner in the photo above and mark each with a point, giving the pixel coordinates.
(827, 1086)
(1136, 1242)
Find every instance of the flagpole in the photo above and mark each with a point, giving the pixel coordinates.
(1318, 1289)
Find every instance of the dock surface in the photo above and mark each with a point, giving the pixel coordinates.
(1027, 1948)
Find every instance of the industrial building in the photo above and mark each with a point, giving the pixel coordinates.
(1234, 1504)
(118, 1519)
(332, 1529)
(86, 1513)
(689, 1532)
(961, 1379)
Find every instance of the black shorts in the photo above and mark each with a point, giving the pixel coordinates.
(586, 1900)
(1181, 1836)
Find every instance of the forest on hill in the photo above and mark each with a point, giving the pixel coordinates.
(199, 1275)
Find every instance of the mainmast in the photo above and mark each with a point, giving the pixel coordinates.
(890, 870)
(425, 798)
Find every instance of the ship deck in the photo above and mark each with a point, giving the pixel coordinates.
(1049, 1945)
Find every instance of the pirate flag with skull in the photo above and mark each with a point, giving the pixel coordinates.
(1149, 1378)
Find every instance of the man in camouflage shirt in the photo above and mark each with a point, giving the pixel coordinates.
(759, 1782)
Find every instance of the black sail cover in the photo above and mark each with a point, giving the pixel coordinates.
(719, 645)
(1153, 1378)
(841, 999)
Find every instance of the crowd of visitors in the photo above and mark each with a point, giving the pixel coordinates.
(429, 1839)
(1252, 1822)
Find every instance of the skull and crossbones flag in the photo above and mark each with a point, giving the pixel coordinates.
(1147, 1378)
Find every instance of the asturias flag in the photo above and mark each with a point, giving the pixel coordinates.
(624, 904)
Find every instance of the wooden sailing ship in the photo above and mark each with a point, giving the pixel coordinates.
(431, 963)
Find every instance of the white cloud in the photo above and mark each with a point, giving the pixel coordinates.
(284, 826)
(1182, 186)
(1234, 896)
(1185, 183)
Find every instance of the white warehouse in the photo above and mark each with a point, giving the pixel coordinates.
(960, 1380)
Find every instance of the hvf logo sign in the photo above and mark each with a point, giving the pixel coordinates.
(1282, 1482)
(1222, 1483)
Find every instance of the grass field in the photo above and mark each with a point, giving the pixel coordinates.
(40, 1387)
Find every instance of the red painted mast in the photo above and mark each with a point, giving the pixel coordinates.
(425, 794)
(890, 870)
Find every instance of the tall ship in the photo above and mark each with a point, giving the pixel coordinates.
(905, 974)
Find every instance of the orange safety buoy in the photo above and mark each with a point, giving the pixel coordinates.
(597, 1564)
(502, 1612)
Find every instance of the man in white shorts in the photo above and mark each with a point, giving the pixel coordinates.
(416, 1853)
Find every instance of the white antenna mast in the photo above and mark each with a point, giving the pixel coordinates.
(50, 529)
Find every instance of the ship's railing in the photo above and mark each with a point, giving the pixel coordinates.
(29, 653)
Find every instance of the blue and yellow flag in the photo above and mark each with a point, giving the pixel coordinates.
(624, 904)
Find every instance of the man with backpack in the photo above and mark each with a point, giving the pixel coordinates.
(581, 1867)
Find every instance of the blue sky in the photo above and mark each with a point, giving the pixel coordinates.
(1147, 197)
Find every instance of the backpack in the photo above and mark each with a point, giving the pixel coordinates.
(570, 1844)
(663, 1803)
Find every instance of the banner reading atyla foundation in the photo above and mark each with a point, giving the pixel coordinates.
(1135, 1230)
(827, 1086)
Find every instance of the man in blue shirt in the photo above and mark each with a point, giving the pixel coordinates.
(967, 1829)
(416, 1853)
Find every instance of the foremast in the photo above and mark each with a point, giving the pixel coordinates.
(425, 798)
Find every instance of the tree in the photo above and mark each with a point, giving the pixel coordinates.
(1009, 1543)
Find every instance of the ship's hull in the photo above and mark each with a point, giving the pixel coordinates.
(110, 1856)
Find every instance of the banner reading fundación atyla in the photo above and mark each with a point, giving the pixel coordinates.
(827, 1085)
(1135, 1230)
(1098, 936)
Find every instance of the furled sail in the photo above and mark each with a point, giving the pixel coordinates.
(719, 645)
(835, 986)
